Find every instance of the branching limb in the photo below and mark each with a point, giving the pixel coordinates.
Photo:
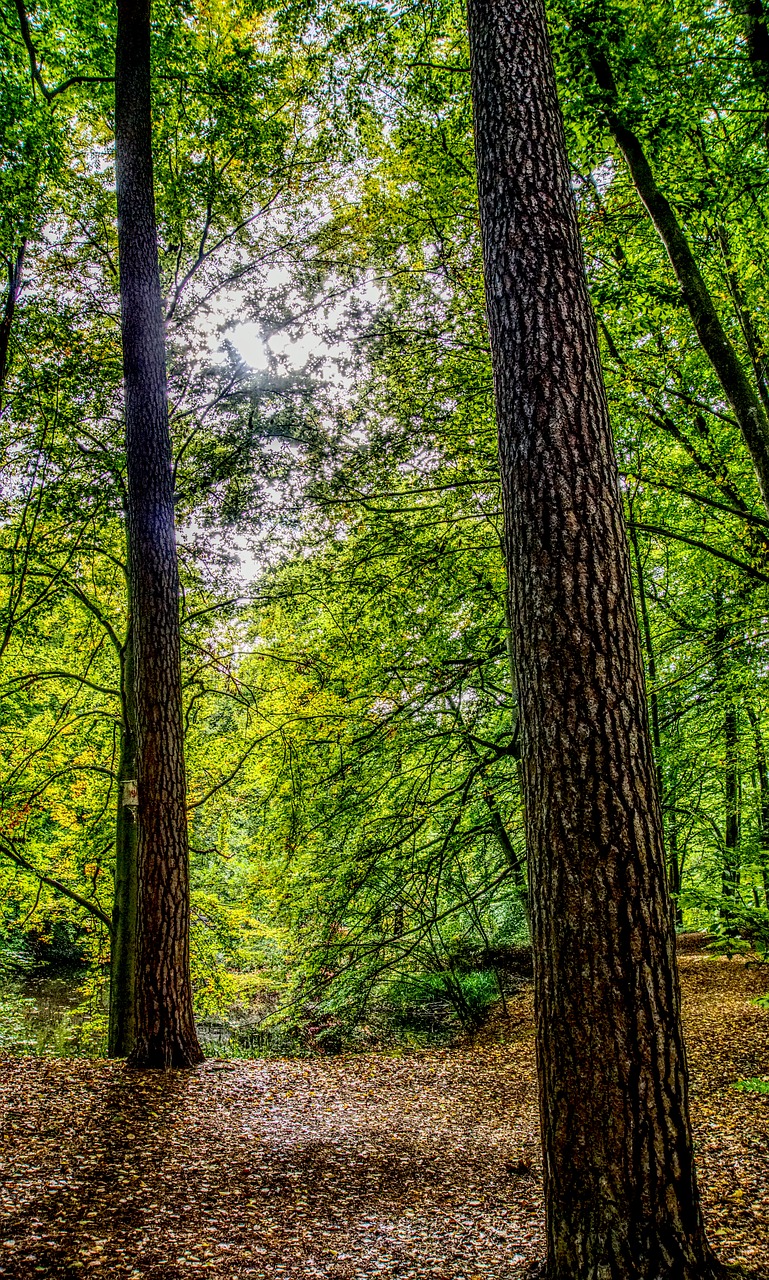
(14, 856)
(34, 66)
(660, 532)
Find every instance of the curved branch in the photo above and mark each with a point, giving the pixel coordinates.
(62, 675)
(660, 532)
(748, 409)
(747, 516)
(49, 94)
(14, 856)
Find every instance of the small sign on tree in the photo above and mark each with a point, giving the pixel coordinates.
(131, 794)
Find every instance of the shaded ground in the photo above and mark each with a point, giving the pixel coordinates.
(418, 1166)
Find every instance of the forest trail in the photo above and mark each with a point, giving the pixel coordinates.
(422, 1165)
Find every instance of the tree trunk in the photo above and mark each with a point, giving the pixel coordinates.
(763, 793)
(620, 1187)
(122, 988)
(753, 17)
(165, 1027)
(730, 867)
(15, 270)
(516, 864)
(731, 870)
(746, 403)
(654, 708)
(674, 867)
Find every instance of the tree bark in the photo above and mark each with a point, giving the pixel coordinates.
(165, 1027)
(620, 1187)
(122, 990)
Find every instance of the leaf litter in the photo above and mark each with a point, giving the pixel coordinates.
(420, 1165)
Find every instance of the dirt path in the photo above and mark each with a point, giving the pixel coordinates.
(418, 1166)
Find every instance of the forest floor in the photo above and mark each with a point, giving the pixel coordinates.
(419, 1165)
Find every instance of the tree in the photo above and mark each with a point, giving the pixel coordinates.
(165, 1027)
(228, 155)
(620, 1186)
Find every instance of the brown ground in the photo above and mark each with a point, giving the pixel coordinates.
(417, 1166)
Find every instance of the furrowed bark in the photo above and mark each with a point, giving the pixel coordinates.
(620, 1187)
(165, 1028)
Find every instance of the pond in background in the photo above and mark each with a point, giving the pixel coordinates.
(56, 1013)
(64, 1013)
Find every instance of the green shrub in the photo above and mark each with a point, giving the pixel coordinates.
(757, 1085)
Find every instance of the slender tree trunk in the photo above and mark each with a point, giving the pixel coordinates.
(122, 992)
(674, 871)
(730, 868)
(620, 1188)
(737, 387)
(731, 871)
(651, 662)
(516, 864)
(763, 793)
(165, 1027)
(15, 270)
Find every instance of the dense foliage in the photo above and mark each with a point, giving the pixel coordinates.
(356, 820)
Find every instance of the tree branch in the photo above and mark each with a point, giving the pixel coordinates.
(660, 532)
(49, 94)
(747, 516)
(14, 856)
(747, 406)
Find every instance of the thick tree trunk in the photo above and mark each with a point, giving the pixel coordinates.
(165, 1028)
(620, 1189)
